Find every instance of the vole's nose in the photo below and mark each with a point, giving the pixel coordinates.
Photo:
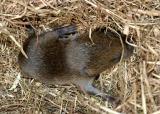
(130, 48)
(129, 51)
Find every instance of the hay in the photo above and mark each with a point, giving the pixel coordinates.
(136, 81)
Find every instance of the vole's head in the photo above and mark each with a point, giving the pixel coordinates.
(108, 49)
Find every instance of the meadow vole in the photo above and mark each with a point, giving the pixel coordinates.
(63, 56)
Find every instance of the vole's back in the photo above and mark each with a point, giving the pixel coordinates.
(46, 55)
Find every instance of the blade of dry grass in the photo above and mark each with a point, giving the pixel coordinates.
(14, 40)
(102, 109)
(157, 112)
(152, 50)
(150, 13)
(148, 86)
(106, 10)
(144, 106)
(15, 83)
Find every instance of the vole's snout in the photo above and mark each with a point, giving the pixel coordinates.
(129, 50)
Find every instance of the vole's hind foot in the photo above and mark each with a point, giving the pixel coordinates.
(85, 84)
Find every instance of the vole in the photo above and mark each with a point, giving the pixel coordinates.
(64, 56)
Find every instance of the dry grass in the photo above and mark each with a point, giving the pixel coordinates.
(136, 81)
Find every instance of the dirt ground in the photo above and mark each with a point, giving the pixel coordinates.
(135, 81)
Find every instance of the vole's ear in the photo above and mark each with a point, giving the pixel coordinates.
(29, 28)
(65, 31)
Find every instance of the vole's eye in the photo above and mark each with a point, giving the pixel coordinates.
(116, 58)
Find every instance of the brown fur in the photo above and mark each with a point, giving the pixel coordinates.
(62, 56)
